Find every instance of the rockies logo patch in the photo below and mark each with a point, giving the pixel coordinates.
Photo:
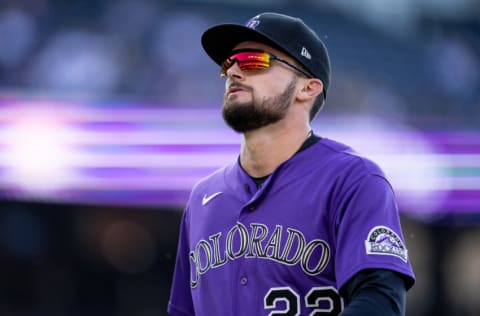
(384, 241)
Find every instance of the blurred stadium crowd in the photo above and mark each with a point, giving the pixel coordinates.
(417, 61)
(414, 59)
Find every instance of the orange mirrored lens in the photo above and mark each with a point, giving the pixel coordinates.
(247, 61)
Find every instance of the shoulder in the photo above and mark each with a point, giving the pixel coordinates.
(214, 179)
(218, 181)
(345, 160)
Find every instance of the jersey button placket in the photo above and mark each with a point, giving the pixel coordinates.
(243, 280)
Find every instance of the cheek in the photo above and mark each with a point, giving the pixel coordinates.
(268, 89)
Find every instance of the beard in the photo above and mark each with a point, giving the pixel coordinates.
(248, 116)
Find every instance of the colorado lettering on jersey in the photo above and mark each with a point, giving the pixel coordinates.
(258, 242)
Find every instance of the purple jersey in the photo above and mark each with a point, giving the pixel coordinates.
(287, 247)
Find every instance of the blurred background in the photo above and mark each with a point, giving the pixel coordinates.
(109, 113)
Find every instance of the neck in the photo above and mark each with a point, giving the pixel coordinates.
(265, 149)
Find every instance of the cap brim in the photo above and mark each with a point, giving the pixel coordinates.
(219, 41)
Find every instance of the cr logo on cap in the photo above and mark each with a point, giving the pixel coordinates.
(253, 22)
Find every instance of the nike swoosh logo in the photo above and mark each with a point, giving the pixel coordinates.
(207, 199)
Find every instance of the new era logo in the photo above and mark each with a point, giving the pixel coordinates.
(305, 53)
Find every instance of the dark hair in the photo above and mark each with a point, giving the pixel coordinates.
(317, 105)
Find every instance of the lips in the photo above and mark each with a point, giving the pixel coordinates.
(235, 88)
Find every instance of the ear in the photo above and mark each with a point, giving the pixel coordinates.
(311, 88)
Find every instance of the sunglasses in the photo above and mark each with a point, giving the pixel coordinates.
(251, 59)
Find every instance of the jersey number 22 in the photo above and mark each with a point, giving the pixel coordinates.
(312, 300)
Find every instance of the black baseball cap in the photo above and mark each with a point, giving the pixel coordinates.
(285, 33)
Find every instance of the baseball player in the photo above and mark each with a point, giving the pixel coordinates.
(299, 224)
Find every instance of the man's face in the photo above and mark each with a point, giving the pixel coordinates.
(254, 99)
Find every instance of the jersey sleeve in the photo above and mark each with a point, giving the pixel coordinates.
(368, 231)
(180, 303)
(375, 292)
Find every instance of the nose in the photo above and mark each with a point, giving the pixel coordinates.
(234, 72)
